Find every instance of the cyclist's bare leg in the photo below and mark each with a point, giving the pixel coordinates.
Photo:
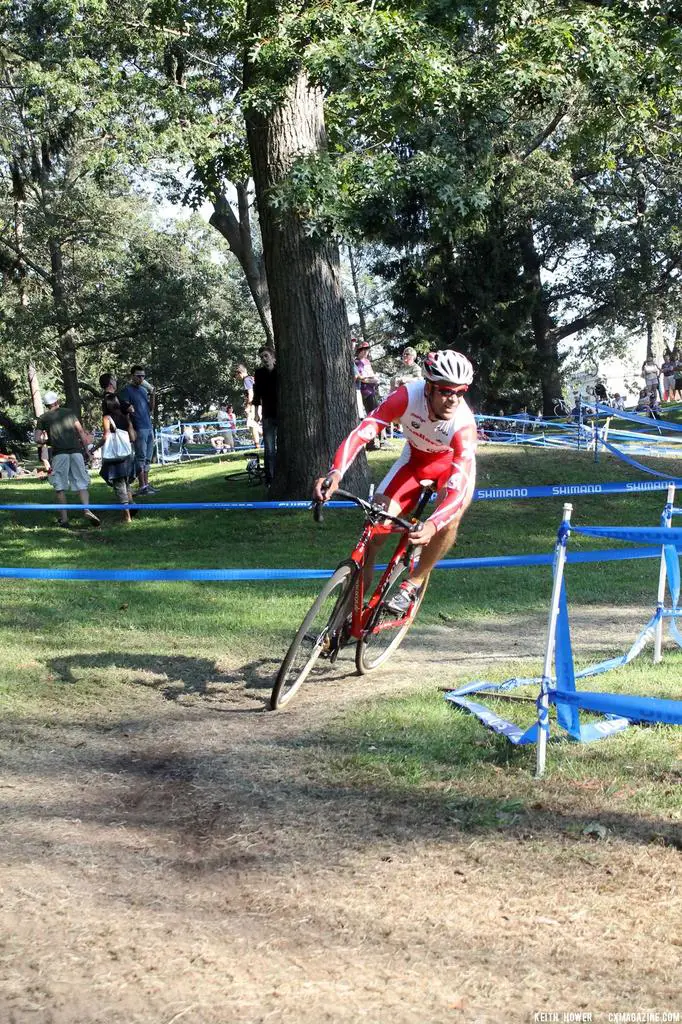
(438, 546)
(434, 551)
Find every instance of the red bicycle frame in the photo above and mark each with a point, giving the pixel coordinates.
(362, 615)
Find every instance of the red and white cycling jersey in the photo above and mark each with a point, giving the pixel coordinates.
(443, 451)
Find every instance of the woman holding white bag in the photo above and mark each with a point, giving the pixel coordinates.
(118, 454)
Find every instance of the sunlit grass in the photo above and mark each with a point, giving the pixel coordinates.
(88, 635)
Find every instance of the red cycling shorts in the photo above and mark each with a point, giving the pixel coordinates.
(411, 471)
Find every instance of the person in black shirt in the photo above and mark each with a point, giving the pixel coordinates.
(265, 396)
(120, 473)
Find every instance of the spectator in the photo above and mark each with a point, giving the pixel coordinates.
(265, 397)
(367, 387)
(138, 396)
(231, 419)
(9, 466)
(644, 402)
(219, 444)
(677, 359)
(600, 392)
(365, 379)
(64, 434)
(249, 407)
(108, 383)
(118, 474)
(409, 368)
(654, 405)
(668, 372)
(188, 433)
(224, 426)
(650, 372)
(523, 418)
(618, 402)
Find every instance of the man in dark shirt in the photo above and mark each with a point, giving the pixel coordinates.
(64, 434)
(137, 394)
(265, 396)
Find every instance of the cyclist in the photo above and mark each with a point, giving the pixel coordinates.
(440, 430)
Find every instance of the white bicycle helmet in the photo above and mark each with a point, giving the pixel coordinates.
(448, 367)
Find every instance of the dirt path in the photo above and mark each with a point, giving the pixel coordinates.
(190, 864)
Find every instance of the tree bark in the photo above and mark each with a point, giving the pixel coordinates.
(237, 232)
(67, 335)
(316, 392)
(546, 344)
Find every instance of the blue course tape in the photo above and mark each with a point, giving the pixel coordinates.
(647, 421)
(633, 534)
(162, 506)
(168, 575)
(215, 575)
(481, 494)
(631, 462)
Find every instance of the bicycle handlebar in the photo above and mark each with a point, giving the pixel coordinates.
(372, 510)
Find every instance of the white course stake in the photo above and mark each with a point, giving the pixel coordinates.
(543, 700)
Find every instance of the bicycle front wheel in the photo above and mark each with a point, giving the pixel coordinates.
(385, 635)
(318, 636)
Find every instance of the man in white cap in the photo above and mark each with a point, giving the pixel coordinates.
(62, 430)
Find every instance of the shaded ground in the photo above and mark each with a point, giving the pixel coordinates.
(194, 863)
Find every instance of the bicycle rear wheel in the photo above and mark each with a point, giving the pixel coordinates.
(318, 636)
(381, 640)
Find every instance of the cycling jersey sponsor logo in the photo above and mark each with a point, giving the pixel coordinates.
(367, 433)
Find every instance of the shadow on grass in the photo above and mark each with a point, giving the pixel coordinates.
(174, 676)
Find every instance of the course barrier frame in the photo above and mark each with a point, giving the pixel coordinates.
(559, 690)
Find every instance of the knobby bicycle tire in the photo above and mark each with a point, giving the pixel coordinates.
(311, 638)
(374, 649)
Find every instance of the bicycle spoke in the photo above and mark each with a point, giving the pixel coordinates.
(384, 636)
(318, 637)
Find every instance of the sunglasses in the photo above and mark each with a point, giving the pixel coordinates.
(447, 392)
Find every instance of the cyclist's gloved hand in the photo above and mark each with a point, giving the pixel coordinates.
(422, 533)
(325, 487)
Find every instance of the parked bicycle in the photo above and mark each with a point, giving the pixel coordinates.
(561, 407)
(341, 615)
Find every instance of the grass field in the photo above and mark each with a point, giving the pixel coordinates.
(141, 788)
(238, 621)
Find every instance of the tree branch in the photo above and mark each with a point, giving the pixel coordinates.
(546, 132)
(581, 323)
(40, 271)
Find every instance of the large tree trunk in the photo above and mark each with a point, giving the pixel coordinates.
(546, 344)
(237, 232)
(67, 335)
(316, 391)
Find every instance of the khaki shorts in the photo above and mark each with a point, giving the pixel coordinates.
(69, 472)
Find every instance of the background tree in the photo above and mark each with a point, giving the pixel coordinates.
(529, 128)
